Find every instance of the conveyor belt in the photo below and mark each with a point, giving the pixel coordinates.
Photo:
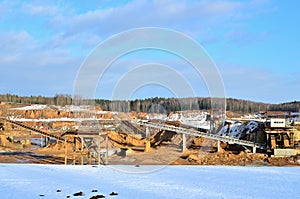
(37, 131)
(201, 134)
(133, 127)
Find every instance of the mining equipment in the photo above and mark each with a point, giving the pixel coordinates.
(282, 138)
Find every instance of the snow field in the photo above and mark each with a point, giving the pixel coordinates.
(31, 181)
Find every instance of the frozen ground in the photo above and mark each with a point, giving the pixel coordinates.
(192, 118)
(43, 181)
(238, 130)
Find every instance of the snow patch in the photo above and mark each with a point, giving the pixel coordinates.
(195, 119)
(237, 130)
(32, 107)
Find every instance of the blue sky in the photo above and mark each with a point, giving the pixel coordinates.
(255, 44)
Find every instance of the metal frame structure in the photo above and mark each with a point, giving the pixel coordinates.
(194, 132)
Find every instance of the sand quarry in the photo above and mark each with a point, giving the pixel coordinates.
(125, 146)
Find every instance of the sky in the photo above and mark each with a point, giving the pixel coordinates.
(254, 45)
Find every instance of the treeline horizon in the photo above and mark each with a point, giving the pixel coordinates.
(158, 104)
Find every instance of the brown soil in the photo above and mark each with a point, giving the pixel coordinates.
(161, 155)
(163, 147)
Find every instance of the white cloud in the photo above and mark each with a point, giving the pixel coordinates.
(87, 28)
(14, 41)
(195, 18)
(38, 10)
(74, 32)
(20, 47)
(31, 68)
(199, 19)
(242, 37)
(189, 17)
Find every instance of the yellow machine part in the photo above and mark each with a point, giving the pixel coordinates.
(296, 135)
(273, 142)
(286, 141)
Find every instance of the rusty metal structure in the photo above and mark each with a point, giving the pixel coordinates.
(87, 147)
(90, 146)
(280, 137)
(204, 133)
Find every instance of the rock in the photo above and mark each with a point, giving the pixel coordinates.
(97, 196)
(113, 194)
(194, 158)
(78, 194)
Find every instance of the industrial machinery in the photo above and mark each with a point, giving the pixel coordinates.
(281, 137)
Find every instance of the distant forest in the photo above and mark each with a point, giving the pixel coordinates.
(158, 104)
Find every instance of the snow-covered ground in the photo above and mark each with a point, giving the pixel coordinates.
(191, 118)
(32, 107)
(43, 107)
(43, 181)
(238, 130)
(61, 119)
(260, 116)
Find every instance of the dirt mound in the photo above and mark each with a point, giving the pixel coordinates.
(55, 148)
(37, 114)
(50, 112)
(192, 158)
(283, 161)
(131, 141)
(138, 115)
(199, 157)
(162, 137)
(126, 139)
(231, 114)
(198, 141)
